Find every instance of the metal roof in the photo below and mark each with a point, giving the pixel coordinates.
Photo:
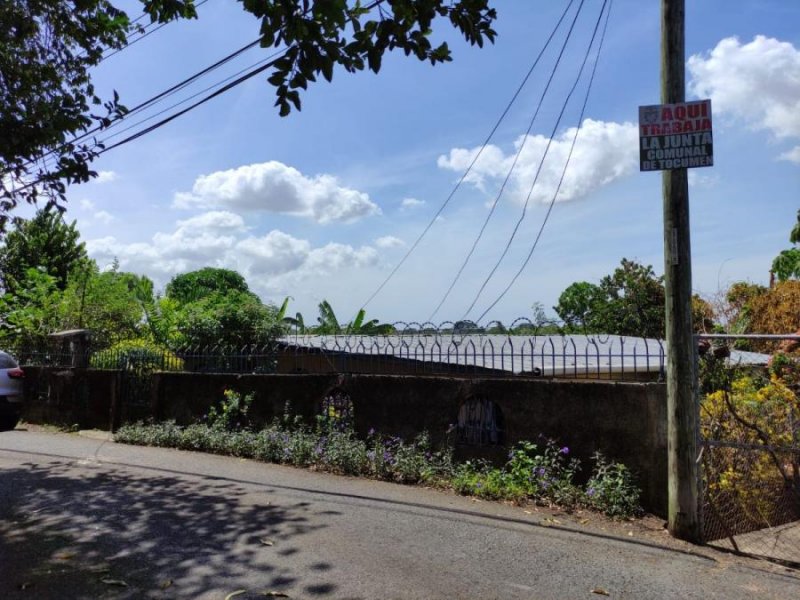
(553, 355)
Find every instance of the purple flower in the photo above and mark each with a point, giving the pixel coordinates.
(565, 450)
(478, 485)
(590, 492)
(371, 432)
(541, 471)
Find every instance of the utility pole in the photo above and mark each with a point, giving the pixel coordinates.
(683, 509)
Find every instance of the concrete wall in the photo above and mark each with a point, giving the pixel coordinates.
(60, 396)
(626, 421)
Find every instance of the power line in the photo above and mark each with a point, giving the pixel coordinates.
(220, 91)
(469, 167)
(539, 168)
(195, 95)
(563, 172)
(155, 99)
(516, 156)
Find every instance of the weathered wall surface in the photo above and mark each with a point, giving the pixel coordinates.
(624, 421)
(69, 396)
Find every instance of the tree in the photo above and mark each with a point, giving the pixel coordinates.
(630, 301)
(787, 264)
(213, 307)
(48, 105)
(108, 303)
(196, 285)
(47, 99)
(575, 305)
(329, 324)
(45, 242)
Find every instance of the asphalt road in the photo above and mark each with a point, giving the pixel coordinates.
(83, 518)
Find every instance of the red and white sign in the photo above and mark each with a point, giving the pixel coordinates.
(675, 136)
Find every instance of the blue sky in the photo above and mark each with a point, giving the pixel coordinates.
(323, 203)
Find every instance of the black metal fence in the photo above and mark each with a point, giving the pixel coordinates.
(414, 350)
(749, 438)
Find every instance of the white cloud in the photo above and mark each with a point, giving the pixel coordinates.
(104, 217)
(105, 177)
(277, 188)
(792, 155)
(699, 180)
(411, 203)
(86, 204)
(604, 152)
(215, 220)
(220, 239)
(757, 82)
(389, 241)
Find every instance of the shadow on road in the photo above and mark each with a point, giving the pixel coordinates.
(87, 532)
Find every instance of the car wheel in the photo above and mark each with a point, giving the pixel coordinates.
(7, 423)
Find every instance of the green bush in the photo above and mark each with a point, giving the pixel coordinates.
(543, 473)
(232, 413)
(140, 356)
(612, 489)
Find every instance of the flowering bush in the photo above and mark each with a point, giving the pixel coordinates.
(542, 472)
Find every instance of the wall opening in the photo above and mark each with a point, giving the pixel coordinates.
(480, 423)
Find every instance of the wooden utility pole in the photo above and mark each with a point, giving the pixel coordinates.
(683, 509)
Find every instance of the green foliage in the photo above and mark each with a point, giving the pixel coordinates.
(630, 301)
(543, 473)
(575, 305)
(232, 413)
(47, 50)
(328, 323)
(108, 303)
(787, 264)
(48, 98)
(612, 489)
(46, 243)
(30, 314)
(320, 35)
(204, 283)
(140, 356)
(211, 307)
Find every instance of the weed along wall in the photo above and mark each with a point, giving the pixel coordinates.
(482, 417)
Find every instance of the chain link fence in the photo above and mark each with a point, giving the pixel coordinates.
(749, 437)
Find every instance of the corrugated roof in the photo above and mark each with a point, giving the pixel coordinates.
(568, 355)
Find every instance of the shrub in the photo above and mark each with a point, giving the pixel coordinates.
(612, 489)
(232, 413)
(140, 356)
(543, 473)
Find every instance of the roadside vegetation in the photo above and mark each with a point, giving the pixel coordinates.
(543, 472)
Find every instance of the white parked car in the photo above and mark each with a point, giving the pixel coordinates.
(11, 377)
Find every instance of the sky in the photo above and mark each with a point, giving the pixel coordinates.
(324, 203)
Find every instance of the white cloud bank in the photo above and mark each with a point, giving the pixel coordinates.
(219, 238)
(757, 83)
(604, 152)
(277, 188)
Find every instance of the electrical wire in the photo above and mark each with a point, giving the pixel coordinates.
(153, 100)
(193, 96)
(563, 172)
(516, 156)
(467, 171)
(539, 168)
(219, 92)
